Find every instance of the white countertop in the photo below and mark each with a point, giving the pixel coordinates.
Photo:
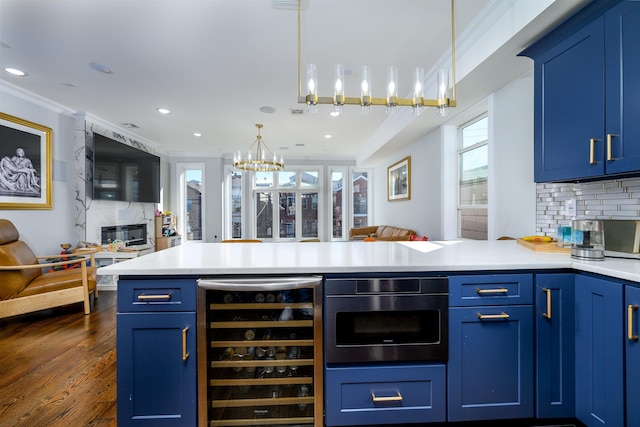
(343, 257)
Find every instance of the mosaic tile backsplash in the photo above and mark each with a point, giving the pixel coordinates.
(613, 199)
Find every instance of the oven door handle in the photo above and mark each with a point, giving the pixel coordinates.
(376, 399)
(260, 284)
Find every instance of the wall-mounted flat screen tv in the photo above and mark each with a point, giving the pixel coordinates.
(124, 173)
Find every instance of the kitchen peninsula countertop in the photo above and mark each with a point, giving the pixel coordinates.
(345, 257)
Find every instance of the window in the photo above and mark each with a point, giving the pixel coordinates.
(360, 185)
(337, 203)
(191, 178)
(287, 201)
(296, 203)
(473, 177)
(236, 204)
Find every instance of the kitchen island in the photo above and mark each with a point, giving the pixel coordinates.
(344, 257)
(539, 379)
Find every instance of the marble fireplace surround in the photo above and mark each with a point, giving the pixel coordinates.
(91, 215)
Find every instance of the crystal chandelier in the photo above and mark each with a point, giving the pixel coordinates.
(258, 157)
(444, 100)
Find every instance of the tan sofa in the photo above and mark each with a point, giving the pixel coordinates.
(381, 232)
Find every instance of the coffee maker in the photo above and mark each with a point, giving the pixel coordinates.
(587, 239)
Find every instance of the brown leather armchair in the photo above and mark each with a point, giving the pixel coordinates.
(24, 287)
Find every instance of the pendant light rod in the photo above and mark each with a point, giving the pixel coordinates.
(441, 102)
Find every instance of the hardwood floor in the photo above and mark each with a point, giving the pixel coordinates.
(58, 367)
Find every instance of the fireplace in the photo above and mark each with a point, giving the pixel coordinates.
(132, 235)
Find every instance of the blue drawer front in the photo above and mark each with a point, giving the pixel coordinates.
(417, 392)
(498, 289)
(156, 295)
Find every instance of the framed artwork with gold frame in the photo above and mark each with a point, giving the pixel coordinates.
(399, 180)
(25, 164)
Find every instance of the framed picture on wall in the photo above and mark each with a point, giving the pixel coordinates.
(399, 180)
(25, 164)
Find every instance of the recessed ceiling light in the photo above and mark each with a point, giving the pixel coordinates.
(334, 114)
(197, 134)
(299, 145)
(267, 109)
(101, 67)
(328, 136)
(163, 110)
(15, 71)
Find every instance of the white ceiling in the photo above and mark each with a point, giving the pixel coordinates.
(215, 63)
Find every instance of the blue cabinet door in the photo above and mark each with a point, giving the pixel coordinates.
(622, 26)
(632, 348)
(555, 345)
(569, 107)
(156, 369)
(599, 358)
(490, 368)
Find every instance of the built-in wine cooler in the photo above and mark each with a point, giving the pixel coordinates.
(260, 351)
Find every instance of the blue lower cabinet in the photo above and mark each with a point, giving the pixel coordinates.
(156, 369)
(632, 348)
(599, 352)
(385, 394)
(555, 345)
(490, 368)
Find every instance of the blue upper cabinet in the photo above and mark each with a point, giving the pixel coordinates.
(585, 78)
(569, 107)
(622, 56)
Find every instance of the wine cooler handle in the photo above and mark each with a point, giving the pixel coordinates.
(259, 284)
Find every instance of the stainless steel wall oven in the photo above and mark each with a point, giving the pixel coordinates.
(386, 319)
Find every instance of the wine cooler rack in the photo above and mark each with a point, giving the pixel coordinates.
(263, 356)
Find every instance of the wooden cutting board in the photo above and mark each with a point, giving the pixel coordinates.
(543, 246)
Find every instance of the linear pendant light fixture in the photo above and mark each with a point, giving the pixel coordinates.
(443, 101)
(261, 159)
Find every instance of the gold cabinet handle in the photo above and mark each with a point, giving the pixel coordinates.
(609, 140)
(630, 335)
(492, 291)
(396, 398)
(185, 355)
(502, 315)
(548, 313)
(592, 143)
(143, 297)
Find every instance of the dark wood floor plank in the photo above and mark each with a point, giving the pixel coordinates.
(58, 367)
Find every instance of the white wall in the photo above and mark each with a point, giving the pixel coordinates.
(44, 230)
(422, 212)
(431, 210)
(512, 186)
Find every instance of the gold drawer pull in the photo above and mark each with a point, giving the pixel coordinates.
(143, 297)
(630, 334)
(492, 291)
(502, 315)
(396, 398)
(185, 355)
(548, 313)
(592, 143)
